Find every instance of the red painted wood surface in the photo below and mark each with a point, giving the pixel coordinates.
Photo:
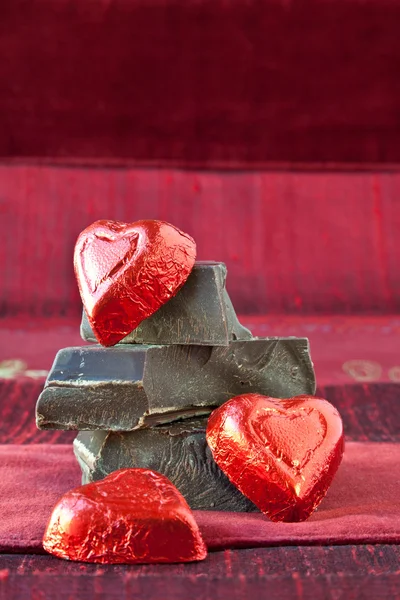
(304, 573)
(369, 411)
(196, 82)
(293, 242)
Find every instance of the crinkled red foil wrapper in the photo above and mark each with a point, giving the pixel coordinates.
(281, 454)
(126, 272)
(132, 516)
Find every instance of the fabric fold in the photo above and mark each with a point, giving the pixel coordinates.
(361, 507)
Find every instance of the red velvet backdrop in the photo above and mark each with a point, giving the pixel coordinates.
(201, 82)
(309, 85)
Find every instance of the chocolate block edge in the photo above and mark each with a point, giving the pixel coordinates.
(201, 313)
(179, 451)
(130, 386)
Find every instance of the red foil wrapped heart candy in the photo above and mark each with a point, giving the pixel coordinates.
(131, 516)
(281, 454)
(126, 272)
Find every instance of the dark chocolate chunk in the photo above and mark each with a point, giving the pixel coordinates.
(178, 450)
(201, 313)
(131, 386)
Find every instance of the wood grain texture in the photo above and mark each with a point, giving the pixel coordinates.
(369, 412)
(301, 243)
(204, 83)
(306, 573)
(17, 414)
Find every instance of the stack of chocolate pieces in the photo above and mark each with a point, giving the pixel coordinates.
(145, 402)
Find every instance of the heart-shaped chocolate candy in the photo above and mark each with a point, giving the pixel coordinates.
(131, 516)
(126, 272)
(281, 454)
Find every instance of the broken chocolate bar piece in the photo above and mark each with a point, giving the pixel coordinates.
(131, 386)
(179, 451)
(201, 313)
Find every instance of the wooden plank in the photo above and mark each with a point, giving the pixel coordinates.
(369, 411)
(341, 572)
(17, 414)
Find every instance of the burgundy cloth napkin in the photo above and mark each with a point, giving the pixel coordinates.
(362, 506)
